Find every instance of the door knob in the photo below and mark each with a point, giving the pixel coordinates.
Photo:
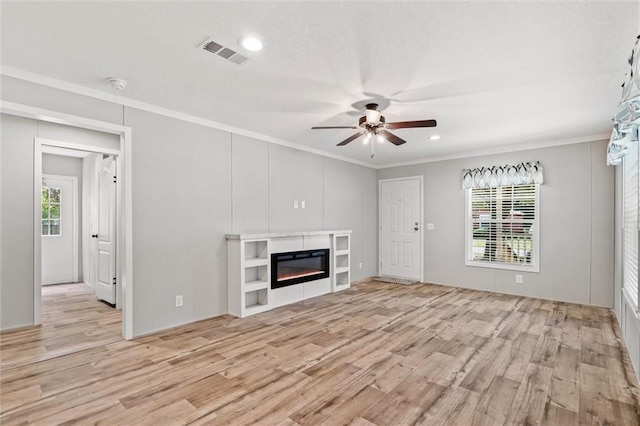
(416, 229)
(94, 235)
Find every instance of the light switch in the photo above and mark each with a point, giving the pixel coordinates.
(430, 227)
(302, 204)
(295, 204)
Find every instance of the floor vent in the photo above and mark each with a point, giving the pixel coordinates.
(224, 52)
(395, 280)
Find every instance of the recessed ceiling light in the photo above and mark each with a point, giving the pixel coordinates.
(434, 137)
(251, 43)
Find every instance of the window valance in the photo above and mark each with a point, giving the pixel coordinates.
(626, 121)
(507, 175)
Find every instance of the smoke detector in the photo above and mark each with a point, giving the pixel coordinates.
(117, 83)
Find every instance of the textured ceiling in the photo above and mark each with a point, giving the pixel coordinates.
(496, 76)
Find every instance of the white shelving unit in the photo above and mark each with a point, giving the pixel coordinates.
(250, 276)
(341, 262)
(249, 268)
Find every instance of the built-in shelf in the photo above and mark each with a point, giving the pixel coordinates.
(256, 298)
(255, 309)
(255, 250)
(341, 243)
(249, 268)
(255, 285)
(341, 262)
(248, 276)
(342, 279)
(254, 273)
(271, 235)
(248, 263)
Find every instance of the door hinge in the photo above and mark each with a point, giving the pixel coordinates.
(114, 280)
(114, 179)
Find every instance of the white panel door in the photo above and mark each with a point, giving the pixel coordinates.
(59, 229)
(401, 228)
(106, 259)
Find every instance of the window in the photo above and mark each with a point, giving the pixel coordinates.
(51, 211)
(630, 225)
(502, 227)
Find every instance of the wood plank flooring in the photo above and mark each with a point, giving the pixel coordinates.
(377, 354)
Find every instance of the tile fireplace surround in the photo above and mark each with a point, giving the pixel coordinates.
(249, 276)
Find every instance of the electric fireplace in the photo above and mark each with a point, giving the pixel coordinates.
(298, 267)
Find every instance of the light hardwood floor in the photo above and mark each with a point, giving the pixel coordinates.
(378, 354)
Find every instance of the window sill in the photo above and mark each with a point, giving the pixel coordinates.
(505, 266)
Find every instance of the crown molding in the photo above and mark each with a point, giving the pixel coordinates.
(144, 106)
(527, 146)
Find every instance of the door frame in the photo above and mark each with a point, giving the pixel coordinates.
(74, 217)
(124, 214)
(420, 179)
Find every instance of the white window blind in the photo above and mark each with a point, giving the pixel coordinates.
(630, 226)
(502, 227)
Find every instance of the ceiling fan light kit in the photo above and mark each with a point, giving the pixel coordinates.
(373, 123)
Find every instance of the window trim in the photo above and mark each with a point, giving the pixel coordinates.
(468, 241)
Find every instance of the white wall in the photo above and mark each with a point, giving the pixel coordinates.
(576, 225)
(16, 265)
(191, 185)
(68, 166)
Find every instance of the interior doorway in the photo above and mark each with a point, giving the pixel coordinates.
(401, 233)
(124, 242)
(85, 218)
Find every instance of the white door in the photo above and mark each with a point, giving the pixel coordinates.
(105, 233)
(59, 229)
(401, 228)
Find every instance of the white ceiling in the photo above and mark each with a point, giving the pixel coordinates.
(496, 76)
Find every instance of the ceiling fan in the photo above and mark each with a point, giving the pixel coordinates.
(374, 124)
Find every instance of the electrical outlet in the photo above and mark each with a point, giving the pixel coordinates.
(179, 301)
(302, 204)
(295, 204)
(519, 279)
(360, 265)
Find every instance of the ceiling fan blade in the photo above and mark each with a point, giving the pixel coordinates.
(350, 139)
(410, 124)
(391, 137)
(333, 127)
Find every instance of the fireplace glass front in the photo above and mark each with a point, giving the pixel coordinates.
(298, 267)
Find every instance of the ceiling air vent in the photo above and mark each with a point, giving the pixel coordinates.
(238, 59)
(212, 46)
(224, 52)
